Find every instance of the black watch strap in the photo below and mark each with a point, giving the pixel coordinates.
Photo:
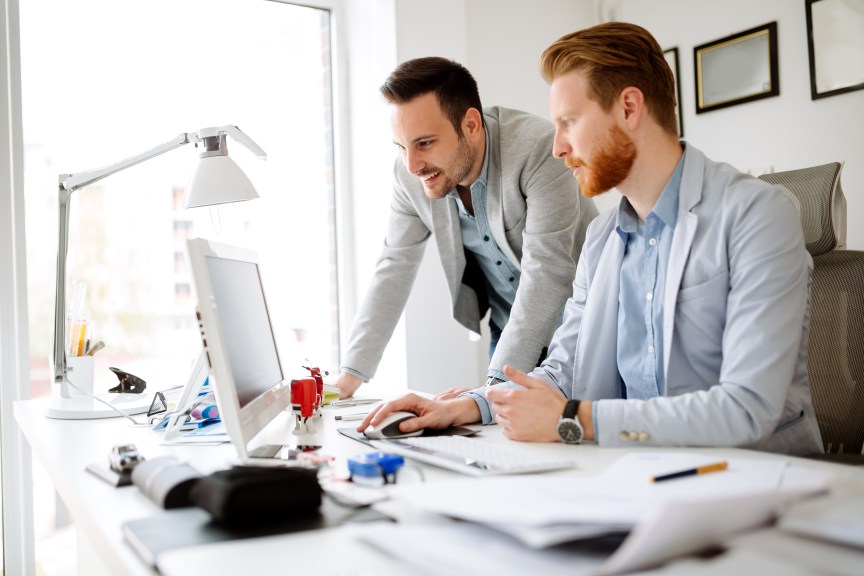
(571, 408)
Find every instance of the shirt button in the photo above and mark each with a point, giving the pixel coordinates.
(624, 436)
(652, 241)
(498, 263)
(643, 436)
(649, 296)
(486, 238)
(650, 349)
(633, 436)
(512, 279)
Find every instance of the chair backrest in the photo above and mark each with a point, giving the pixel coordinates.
(835, 359)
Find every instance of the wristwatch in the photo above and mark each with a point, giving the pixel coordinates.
(569, 429)
(492, 381)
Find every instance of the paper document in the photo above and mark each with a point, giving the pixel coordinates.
(621, 495)
(667, 519)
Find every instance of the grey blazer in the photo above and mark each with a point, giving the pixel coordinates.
(737, 309)
(538, 218)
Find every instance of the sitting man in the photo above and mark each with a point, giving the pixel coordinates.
(689, 316)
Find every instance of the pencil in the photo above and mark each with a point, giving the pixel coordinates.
(708, 468)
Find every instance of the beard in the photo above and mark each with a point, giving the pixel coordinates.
(450, 177)
(610, 165)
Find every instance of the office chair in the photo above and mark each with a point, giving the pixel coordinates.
(835, 359)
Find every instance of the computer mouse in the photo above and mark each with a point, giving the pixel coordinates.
(389, 427)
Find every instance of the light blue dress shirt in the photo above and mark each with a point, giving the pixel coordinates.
(640, 297)
(502, 277)
(643, 283)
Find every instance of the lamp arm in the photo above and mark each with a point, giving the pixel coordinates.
(72, 182)
(68, 184)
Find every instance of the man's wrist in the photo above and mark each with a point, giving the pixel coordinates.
(465, 411)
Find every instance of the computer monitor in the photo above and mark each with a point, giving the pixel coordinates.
(239, 344)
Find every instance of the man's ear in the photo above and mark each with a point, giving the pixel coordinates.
(472, 123)
(632, 103)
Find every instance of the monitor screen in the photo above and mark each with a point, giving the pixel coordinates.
(238, 339)
(245, 323)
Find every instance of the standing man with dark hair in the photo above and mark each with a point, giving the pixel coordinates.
(689, 314)
(507, 219)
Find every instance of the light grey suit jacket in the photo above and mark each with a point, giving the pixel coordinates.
(537, 217)
(737, 312)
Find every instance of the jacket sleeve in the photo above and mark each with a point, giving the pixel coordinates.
(390, 286)
(553, 220)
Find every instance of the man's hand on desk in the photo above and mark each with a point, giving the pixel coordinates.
(433, 414)
(348, 384)
(531, 413)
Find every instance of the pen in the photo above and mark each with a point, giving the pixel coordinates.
(354, 401)
(716, 467)
(358, 416)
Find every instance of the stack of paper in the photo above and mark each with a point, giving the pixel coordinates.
(665, 519)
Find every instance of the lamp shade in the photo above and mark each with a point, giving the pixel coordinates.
(217, 180)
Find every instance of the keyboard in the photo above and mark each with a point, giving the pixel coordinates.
(475, 456)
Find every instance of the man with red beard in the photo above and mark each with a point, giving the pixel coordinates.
(689, 316)
(507, 219)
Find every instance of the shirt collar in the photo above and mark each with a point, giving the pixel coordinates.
(666, 207)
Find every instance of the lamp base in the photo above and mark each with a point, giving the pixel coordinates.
(83, 408)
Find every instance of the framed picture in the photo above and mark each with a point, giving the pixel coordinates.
(737, 69)
(835, 42)
(672, 59)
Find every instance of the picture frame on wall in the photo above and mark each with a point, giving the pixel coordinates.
(671, 55)
(737, 69)
(835, 44)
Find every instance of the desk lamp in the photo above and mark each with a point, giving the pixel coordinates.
(217, 180)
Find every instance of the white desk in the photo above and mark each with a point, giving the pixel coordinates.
(65, 448)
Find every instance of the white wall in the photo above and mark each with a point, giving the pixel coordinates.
(500, 41)
(784, 132)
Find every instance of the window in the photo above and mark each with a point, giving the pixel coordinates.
(104, 80)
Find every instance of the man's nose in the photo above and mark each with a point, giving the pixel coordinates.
(560, 147)
(413, 162)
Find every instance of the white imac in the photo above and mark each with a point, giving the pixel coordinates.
(239, 344)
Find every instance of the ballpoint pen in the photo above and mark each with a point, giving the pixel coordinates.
(708, 468)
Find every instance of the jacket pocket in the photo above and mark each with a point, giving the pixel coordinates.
(789, 422)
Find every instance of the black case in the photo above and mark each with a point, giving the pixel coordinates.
(245, 496)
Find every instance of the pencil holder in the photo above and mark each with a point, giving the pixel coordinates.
(80, 373)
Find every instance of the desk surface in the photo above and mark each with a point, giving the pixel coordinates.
(66, 447)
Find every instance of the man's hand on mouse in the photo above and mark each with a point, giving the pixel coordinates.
(432, 414)
(529, 413)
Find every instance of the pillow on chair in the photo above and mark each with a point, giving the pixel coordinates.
(820, 202)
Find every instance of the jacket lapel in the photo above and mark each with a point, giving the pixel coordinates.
(682, 240)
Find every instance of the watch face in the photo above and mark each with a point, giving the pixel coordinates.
(570, 431)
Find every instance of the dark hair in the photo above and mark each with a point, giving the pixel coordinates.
(454, 87)
(613, 56)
